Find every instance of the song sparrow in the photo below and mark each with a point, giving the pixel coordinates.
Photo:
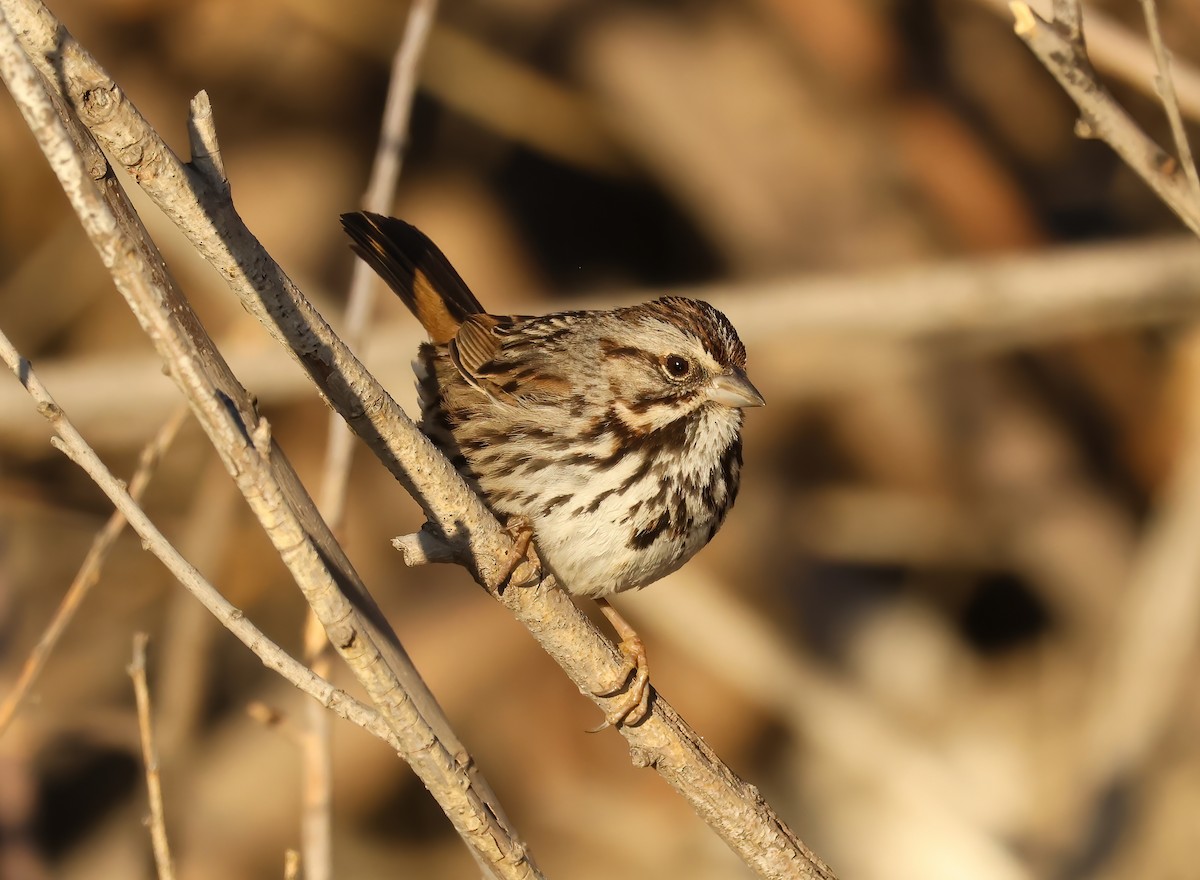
(616, 435)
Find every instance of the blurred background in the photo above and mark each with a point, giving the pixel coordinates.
(950, 628)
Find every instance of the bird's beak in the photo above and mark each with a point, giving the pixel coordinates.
(733, 389)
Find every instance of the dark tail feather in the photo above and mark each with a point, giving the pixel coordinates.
(416, 269)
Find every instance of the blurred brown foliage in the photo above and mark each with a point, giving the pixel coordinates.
(935, 630)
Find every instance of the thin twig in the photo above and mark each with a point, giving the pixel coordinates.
(735, 811)
(158, 825)
(1165, 86)
(202, 136)
(1102, 116)
(385, 172)
(316, 762)
(71, 443)
(1115, 49)
(1151, 646)
(226, 411)
(188, 633)
(89, 571)
(317, 790)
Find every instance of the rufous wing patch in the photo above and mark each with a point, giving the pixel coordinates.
(474, 346)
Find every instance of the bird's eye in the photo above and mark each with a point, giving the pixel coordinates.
(677, 367)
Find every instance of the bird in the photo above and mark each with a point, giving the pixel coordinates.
(611, 438)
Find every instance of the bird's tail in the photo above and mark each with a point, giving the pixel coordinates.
(416, 269)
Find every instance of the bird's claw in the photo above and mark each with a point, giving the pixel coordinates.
(520, 529)
(634, 705)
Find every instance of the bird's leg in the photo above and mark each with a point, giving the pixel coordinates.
(520, 529)
(634, 706)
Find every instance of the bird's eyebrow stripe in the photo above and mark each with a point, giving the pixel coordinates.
(613, 349)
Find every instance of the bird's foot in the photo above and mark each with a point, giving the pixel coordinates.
(520, 566)
(634, 704)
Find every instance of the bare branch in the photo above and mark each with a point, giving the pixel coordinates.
(158, 826)
(1103, 117)
(1068, 14)
(736, 811)
(1115, 50)
(89, 571)
(72, 444)
(385, 172)
(393, 135)
(1151, 647)
(202, 137)
(1165, 86)
(424, 547)
(242, 439)
(317, 798)
(316, 790)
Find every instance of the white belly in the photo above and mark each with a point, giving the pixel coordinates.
(587, 542)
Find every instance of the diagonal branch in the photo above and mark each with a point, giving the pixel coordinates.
(316, 823)
(89, 572)
(1164, 84)
(71, 443)
(1061, 50)
(1115, 50)
(1151, 647)
(203, 211)
(243, 440)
